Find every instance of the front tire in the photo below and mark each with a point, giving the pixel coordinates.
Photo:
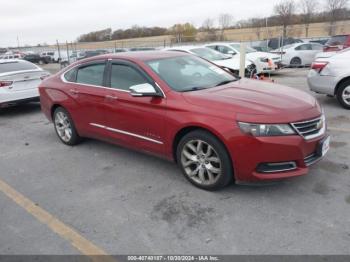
(65, 128)
(204, 160)
(343, 94)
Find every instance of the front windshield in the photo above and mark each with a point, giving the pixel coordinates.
(209, 54)
(247, 48)
(189, 73)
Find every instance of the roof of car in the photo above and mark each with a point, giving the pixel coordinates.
(185, 47)
(223, 43)
(137, 55)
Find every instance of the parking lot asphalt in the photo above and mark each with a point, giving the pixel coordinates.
(125, 202)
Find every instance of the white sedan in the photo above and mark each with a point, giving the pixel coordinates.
(265, 62)
(19, 81)
(331, 76)
(231, 63)
(299, 54)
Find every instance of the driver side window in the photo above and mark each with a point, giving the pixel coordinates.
(304, 47)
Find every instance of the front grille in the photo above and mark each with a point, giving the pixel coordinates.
(311, 128)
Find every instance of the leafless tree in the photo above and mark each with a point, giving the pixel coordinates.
(208, 27)
(308, 8)
(225, 21)
(285, 11)
(335, 9)
(208, 24)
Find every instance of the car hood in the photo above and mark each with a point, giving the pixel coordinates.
(231, 63)
(256, 101)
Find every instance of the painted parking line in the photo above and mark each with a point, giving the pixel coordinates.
(339, 129)
(83, 245)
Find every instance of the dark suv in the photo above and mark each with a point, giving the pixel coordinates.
(337, 43)
(37, 59)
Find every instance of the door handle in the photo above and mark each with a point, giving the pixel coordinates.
(74, 91)
(110, 97)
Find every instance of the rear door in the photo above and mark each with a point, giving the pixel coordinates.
(86, 85)
(306, 53)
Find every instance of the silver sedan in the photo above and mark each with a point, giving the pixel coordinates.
(331, 76)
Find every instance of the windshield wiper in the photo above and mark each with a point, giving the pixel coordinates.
(226, 82)
(195, 88)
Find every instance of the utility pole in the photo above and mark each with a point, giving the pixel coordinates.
(267, 33)
(18, 42)
(242, 54)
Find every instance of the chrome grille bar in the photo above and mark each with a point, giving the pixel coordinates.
(311, 128)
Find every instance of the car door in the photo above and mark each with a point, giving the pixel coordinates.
(305, 52)
(86, 85)
(135, 121)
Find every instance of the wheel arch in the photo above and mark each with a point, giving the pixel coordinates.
(53, 108)
(296, 57)
(345, 79)
(187, 129)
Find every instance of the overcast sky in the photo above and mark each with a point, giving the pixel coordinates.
(39, 21)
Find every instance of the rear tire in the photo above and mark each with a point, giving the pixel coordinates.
(295, 62)
(65, 128)
(204, 160)
(343, 94)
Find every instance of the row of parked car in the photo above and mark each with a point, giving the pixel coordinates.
(227, 56)
(31, 57)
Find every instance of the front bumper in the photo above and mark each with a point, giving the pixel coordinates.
(252, 152)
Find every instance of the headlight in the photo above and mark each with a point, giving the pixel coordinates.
(266, 130)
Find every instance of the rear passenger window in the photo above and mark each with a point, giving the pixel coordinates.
(91, 74)
(304, 47)
(123, 77)
(317, 47)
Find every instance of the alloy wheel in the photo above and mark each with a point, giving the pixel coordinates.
(63, 126)
(346, 95)
(201, 162)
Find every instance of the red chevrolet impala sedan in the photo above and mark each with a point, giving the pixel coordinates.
(216, 127)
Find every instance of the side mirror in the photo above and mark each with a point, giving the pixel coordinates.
(143, 90)
(231, 52)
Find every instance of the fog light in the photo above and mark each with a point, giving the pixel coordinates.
(276, 167)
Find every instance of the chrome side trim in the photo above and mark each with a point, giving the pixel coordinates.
(126, 133)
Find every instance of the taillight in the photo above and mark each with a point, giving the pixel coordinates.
(5, 83)
(319, 66)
